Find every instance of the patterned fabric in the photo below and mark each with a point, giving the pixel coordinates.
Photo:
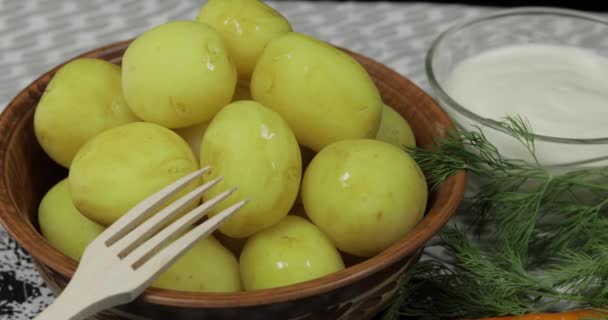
(36, 35)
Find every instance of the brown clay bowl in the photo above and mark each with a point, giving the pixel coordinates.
(358, 292)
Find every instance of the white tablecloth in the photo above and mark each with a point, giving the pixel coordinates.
(36, 35)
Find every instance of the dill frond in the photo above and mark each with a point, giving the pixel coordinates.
(532, 241)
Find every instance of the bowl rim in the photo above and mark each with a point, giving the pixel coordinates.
(496, 125)
(26, 235)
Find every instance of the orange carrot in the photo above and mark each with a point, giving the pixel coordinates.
(573, 315)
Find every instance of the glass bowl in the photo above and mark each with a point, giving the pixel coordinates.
(517, 27)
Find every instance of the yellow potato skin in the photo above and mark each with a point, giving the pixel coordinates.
(82, 99)
(178, 74)
(122, 166)
(253, 149)
(206, 267)
(364, 194)
(395, 130)
(63, 226)
(193, 135)
(246, 27)
(292, 251)
(322, 92)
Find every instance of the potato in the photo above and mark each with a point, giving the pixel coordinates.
(178, 74)
(395, 130)
(364, 194)
(62, 224)
(193, 135)
(206, 267)
(82, 99)
(246, 27)
(253, 149)
(292, 251)
(323, 93)
(122, 166)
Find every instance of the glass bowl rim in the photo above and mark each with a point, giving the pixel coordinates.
(494, 124)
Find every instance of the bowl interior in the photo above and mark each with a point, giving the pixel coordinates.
(27, 173)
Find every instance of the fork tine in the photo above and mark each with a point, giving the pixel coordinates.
(142, 210)
(168, 255)
(148, 248)
(141, 233)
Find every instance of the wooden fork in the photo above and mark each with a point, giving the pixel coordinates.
(130, 254)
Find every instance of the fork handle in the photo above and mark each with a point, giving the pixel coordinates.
(70, 305)
(78, 304)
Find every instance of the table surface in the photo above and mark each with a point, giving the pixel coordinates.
(36, 35)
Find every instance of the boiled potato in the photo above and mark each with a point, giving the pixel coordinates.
(395, 130)
(122, 166)
(193, 135)
(254, 149)
(65, 228)
(292, 251)
(178, 74)
(246, 27)
(364, 194)
(242, 91)
(206, 267)
(82, 99)
(322, 92)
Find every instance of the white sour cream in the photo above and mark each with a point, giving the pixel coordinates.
(562, 91)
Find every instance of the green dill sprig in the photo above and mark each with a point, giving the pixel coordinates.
(532, 240)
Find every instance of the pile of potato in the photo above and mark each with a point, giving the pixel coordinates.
(278, 114)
